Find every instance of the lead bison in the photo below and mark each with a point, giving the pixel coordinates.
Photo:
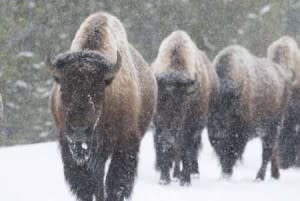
(103, 99)
(252, 101)
(285, 52)
(186, 82)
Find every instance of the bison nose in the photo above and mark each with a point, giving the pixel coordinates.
(79, 129)
(79, 133)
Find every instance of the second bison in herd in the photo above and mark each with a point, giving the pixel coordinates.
(105, 96)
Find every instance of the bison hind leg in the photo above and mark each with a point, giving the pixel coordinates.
(287, 145)
(274, 164)
(269, 149)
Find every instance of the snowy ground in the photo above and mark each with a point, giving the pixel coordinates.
(34, 173)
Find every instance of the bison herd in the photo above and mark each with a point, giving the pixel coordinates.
(105, 96)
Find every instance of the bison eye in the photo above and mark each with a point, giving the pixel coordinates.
(56, 79)
(108, 82)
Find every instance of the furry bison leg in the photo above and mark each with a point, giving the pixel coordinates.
(190, 148)
(298, 153)
(274, 164)
(81, 182)
(99, 173)
(80, 179)
(232, 153)
(287, 141)
(232, 148)
(163, 158)
(122, 172)
(268, 142)
(176, 173)
(197, 142)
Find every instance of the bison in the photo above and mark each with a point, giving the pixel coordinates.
(285, 52)
(103, 100)
(186, 82)
(251, 103)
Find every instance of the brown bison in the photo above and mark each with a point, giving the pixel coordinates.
(103, 100)
(252, 101)
(186, 82)
(285, 52)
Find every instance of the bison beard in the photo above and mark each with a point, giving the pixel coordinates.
(79, 151)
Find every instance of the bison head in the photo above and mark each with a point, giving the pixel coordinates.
(82, 77)
(175, 92)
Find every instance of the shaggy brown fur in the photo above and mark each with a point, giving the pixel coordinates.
(102, 101)
(252, 100)
(285, 52)
(186, 81)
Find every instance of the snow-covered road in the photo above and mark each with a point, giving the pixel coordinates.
(34, 173)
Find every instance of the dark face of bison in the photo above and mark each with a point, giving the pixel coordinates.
(175, 91)
(83, 77)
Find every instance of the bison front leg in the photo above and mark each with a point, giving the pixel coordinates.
(81, 183)
(186, 142)
(78, 177)
(275, 164)
(190, 144)
(99, 175)
(164, 156)
(122, 172)
(197, 141)
(176, 172)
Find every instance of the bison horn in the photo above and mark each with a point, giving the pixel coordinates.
(113, 69)
(49, 63)
(51, 67)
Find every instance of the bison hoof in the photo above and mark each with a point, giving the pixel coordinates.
(275, 174)
(164, 181)
(184, 183)
(260, 177)
(226, 176)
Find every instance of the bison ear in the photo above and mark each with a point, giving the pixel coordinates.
(158, 78)
(52, 68)
(113, 69)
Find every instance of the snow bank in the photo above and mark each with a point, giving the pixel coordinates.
(34, 173)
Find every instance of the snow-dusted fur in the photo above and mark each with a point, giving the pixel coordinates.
(186, 82)
(285, 52)
(252, 101)
(103, 101)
